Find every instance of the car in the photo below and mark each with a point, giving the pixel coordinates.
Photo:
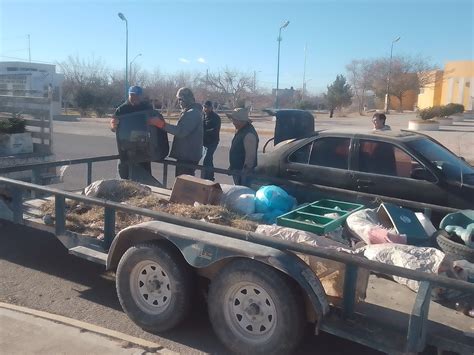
(400, 164)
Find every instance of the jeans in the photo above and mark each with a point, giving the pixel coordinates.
(180, 170)
(123, 168)
(209, 162)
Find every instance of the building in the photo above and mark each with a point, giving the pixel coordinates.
(32, 79)
(455, 84)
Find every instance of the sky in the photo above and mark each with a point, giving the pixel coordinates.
(185, 35)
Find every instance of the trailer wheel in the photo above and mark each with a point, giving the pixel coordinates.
(154, 286)
(255, 309)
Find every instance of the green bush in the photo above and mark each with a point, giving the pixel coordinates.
(440, 111)
(13, 125)
(455, 108)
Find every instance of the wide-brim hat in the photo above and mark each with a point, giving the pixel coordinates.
(239, 114)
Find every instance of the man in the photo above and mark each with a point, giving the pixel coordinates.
(188, 132)
(212, 127)
(378, 119)
(135, 103)
(243, 150)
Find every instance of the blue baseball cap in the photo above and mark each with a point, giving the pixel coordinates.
(136, 90)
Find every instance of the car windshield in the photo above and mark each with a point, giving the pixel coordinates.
(452, 167)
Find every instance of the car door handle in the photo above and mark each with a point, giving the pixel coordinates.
(293, 172)
(364, 183)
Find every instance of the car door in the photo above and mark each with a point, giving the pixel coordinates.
(322, 161)
(386, 169)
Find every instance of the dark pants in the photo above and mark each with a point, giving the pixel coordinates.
(243, 180)
(123, 168)
(180, 170)
(209, 162)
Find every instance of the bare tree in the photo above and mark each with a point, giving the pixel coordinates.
(230, 86)
(406, 74)
(360, 80)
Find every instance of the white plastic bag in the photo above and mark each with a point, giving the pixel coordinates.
(239, 199)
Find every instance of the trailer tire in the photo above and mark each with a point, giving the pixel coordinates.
(255, 309)
(154, 286)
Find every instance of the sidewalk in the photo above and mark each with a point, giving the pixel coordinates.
(27, 331)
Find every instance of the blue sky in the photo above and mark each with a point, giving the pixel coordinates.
(198, 35)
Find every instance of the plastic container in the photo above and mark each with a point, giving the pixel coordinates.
(319, 217)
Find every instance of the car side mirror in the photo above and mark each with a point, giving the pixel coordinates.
(422, 174)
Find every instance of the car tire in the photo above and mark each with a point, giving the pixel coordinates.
(452, 248)
(154, 286)
(254, 309)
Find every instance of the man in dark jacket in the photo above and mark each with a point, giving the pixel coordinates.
(135, 103)
(212, 127)
(188, 132)
(243, 150)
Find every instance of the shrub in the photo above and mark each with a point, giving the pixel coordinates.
(429, 112)
(440, 111)
(455, 108)
(13, 125)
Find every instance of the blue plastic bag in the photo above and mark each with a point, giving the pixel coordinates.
(273, 201)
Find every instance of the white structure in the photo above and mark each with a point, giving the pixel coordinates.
(32, 79)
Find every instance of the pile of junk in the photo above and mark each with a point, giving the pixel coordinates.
(388, 234)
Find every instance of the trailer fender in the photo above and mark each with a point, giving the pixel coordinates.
(202, 249)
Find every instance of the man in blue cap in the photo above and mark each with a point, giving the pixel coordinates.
(135, 103)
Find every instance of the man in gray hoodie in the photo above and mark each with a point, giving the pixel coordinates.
(188, 132)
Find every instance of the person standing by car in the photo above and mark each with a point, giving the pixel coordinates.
(134, 103)
(243, 150)
(212, 127)
(188, 132)
(378, 119)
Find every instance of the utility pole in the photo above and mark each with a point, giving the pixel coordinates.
(387, 95)
(278, 65)
(29, 49)
(304, 74)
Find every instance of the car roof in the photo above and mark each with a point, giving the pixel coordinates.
(395, 135)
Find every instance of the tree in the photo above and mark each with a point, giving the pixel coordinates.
(230, 86)
(339, 94)
(360, 79)
(86, 84)
(406, 74)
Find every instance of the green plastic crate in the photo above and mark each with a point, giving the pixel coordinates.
(311, 217)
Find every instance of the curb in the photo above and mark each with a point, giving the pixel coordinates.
(145, 344)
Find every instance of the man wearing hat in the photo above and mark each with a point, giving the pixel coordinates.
(243, 150)
(188, 132)
(212, 127)
(135, 103)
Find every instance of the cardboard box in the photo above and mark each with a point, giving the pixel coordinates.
(188, 189)
(404, 221)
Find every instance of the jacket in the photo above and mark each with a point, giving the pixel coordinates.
(188, 135)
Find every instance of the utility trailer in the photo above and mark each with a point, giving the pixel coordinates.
(260, 294)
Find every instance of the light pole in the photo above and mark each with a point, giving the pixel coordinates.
(304, 75)
(278, 65)
(138, 55)
(123, 18)
(387, 95)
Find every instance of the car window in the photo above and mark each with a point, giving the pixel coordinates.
(386, 159)
(330, 152)
(301, 155)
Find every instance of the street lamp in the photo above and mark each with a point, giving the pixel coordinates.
(138, 55)
(278, 65)
(123, 18)
(387, 95)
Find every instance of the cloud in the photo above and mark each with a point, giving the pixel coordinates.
(201, 60)
(184, 60)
